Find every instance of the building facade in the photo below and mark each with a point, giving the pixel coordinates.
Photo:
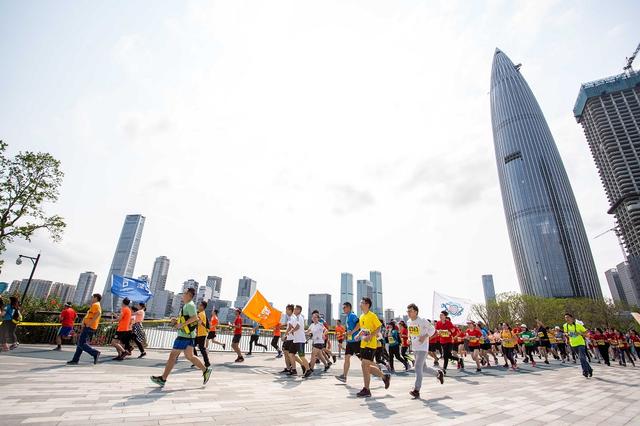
(376, 281)
(246, 288)
(346, 292)
(321, 302)
(215, 284)
(158, 282)
(549, 244)
(615, 286)
(389, 315)
(63, 292)
(124, 259)
(488, 289)
(84, 288)
(628, 280)
(364, 289)
(162, 305)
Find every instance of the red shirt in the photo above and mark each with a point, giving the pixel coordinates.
(433, 339)
(404, 336)
(67, 317)
(238, 325)
(517, 331)
(445, 331)
(598, 338)
(474, 338)
(276, 331)
(636, 341)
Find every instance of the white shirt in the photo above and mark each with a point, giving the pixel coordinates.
(298, 335)
(317, 333)
(292, 321)
(417, 328)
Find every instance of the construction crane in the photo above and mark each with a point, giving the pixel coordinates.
(617, 232)
(630, 60)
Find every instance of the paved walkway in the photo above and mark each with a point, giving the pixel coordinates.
(36, 386)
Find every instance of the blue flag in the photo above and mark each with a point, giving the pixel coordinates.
(135, 290)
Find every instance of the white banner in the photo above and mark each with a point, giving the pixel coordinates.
(458, 308)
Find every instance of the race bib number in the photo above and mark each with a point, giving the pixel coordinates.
(600, 342)
(573, 334)
(636, 344)
(414, 331)
(350, 336)
(444, 333)
(365, 333)
(541, 335)
(391, 340)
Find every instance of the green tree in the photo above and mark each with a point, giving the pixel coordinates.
(28, 181)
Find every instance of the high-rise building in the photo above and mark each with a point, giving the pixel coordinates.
(162, 304)
(615, 285)
(84, 289)
(628, 280)
(487, 287)
(346, 292)
(14, 287)
(549, 244)
(63, 292)
(215, 283)
(204, 293)
(246, 288)
(321, 302)
(190, 283)
(124, 259)
(609, 112)
(376, 281)
(389, 315)
(38, 289)
(364, 289)
(144, 278)
(176, 304)
(158, 279)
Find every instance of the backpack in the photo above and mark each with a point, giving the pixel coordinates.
(184, 318)
(17, 316)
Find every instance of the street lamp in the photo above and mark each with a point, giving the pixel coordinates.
(34, 260)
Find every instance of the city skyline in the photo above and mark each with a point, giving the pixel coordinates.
(378, 184)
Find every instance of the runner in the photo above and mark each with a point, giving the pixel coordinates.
(529, 338)
(276, 339)
(602, 344)
(340, 332)
(287, 346)
(394, 347)
(213, 324)
(434, 346)
(543, 340)
(508, 341)
(296, 324)
(485, 344)
(494, 341)
(404, 337)
(201, 334)
(576, 333)
(317, 331)
(445, 330)
(186, 325)
(137, 331)
(474, 336)
(255, 339)
(122, 339)
(67, 318)
(237, 335)
(635, 341)
(10, 320)
(624, 349)
(369, 328)
(88, 329)
(561, 341)
(420, 330)
(352, 323)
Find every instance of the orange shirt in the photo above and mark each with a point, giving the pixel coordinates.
(277, 331)
(92, 318)
(213, 323)
(125, 320)
(340, 332)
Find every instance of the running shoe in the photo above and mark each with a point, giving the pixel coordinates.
(206, 375)
(293, 372)
(308, 373)
(462, 363)
(342, 378)
(334, 358)
(95, 358)
(478, 370)
(364, 393)
(158, 380)
(326, 367)
(285, 371)
(224, 346)
(387, 380)
(415, 394)
(72, 362)
(142, 355)
(546, 361)
(57, 348)
(440, 377)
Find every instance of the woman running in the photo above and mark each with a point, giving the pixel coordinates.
(625, 352)
(473, 336)
(562, 344)
(602, 344)
(508, 340)
(393, 338)
(404, 337)
(543, 340)
(317, 331)
(213, 325)
(137, 329)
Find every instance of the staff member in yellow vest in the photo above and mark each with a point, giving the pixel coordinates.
(89, 327)
(576, 333)
(369, 327)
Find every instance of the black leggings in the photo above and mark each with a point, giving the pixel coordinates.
(627, 351)
(604, 352)
(138, 344)
(446, 354)
(201, 344)
(254, 341)
(274, 343)
(394, 351)
(508, 355)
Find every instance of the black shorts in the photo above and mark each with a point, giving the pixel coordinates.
(201, 340)
(286, 345)
(433, 347)
(367, 353)
(211, 335)
(545, 343)
(353, 348)
(485, 346)
(340, 341)
(236, 338)
(298, 348)
(123, 336)
(319, 345)
(473, 348)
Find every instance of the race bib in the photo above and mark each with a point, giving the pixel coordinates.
(636, 344)
(365, 333)
(391, 340)
(444, 333)
(350, 336)
(414, 331)
(541, 335)
(600, 342)
(573, 334)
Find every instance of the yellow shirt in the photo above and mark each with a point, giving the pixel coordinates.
(92, 319)
(508, 339)
(202, 325)
(368, 323)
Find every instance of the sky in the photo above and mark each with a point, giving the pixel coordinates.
(293, 141)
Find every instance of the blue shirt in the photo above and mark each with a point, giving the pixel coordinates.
(352, 321)
(8, 313)
(394, 338)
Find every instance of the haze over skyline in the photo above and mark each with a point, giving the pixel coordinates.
(291, 142)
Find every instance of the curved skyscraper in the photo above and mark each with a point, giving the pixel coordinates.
(548, 240)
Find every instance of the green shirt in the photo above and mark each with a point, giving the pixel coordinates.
(528, 337)
(187, 312)
(572, 331)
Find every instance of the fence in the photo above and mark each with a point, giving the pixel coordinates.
(158, 336)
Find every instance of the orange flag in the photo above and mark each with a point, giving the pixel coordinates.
(259, 310)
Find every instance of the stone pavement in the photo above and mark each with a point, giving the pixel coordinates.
(37, 387)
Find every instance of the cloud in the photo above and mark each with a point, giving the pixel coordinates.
(350, 199)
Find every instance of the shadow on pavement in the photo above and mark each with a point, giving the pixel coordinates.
(149, 397)
(442, 410)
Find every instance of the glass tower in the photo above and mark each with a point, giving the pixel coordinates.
(548, 240)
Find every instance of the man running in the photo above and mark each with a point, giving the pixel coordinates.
(576, 333)
(529, 338)
(445, 330)
(201, 333)
(419, 332)
(88, 329)
(185, 341)
(255, 339)
(237, 335)
(213, 325)
(340, 332)
(121, 340)
(67, 318)
(369, 328)
(276, 338)
(353, 345)
(295, 331)
(287, 345)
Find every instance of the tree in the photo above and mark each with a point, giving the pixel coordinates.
(27, 182)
